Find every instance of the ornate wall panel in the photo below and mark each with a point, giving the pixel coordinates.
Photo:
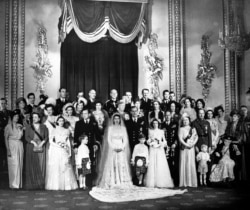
(176, 46)
(14, 50)
(7, 52)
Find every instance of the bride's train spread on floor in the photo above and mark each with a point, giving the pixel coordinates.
(133, 193)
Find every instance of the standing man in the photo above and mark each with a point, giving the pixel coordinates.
(146, 103)
(61, 101)
(89, 127)
(4, 118)
(129, 102)
(171, 134)
(135, 125)
(31, 107)
(165, 101)
(111, 105)
(92, 99)
(203, 131)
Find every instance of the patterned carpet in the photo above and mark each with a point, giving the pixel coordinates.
(195, 198)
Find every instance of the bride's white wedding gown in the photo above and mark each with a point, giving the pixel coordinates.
(115, 181)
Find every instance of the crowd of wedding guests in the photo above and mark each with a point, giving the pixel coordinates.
(56, 144)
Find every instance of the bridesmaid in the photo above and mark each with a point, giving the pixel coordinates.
(36, 136)
(13, 134)
(187, 138)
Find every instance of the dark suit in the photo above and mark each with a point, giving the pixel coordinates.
(171, 135)
(91, 130)
(90, 105)
(134, 129)
(4, 118)
(146, 106)
(59, 106)
(165, 105)
(111, 106)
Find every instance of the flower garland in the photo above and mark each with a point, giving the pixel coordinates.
(206, 71)
(155, 66)
(42, 67)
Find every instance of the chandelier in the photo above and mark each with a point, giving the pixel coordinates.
(236, 41)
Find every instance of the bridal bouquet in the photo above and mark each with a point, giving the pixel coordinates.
(154, 142)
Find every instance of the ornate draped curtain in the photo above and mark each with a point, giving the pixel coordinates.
(98, 47)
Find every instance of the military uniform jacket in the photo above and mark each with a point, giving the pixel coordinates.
(134, 129)
(204, 133)
(171, 132)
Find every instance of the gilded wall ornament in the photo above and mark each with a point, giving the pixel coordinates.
(206, 71)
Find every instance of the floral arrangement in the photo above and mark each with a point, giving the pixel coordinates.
(42, 67)
(206, 71)
(155, 66)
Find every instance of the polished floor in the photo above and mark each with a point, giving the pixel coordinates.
(219, 197)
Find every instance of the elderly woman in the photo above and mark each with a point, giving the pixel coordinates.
(36, 136)
(13, 134)
(187, 138)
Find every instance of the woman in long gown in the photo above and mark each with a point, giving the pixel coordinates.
(114, 183)
(158, 174)
(36, 136)
(60, 175)
(187, 138)
(116, 156)
(13, 134)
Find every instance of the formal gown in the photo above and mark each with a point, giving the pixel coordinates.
(117, 173)
(114, 183)
(224, 169)
(60, 174)
(15, 161)
(158, 174)
(188, 175)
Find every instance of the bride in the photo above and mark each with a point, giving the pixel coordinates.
(114, 182)
(114, 163)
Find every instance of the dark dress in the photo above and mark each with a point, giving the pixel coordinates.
(35, 162)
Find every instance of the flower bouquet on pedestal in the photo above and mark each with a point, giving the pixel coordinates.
(155, 66)
(206, 71)
(42, 67)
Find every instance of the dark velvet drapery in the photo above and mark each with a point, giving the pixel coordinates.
(102, 65)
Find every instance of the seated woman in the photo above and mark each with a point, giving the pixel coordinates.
(224, 169)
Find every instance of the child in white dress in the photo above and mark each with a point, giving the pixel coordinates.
(83, 161)
(140, 159)
(202, 158)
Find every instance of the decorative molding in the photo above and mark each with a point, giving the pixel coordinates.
(232, 57)
(184, 63)
(171, 46)
(177, 20)
(226, 62)
(6, 49)
(22, 48)
(14, 52)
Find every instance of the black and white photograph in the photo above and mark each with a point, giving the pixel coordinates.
(124, 104)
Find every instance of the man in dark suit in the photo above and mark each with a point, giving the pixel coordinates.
(92, 100)
(171, 133)
(111, 105)
(61, 101)
(146, 103)
(135, 125)
(88, 127)
(4, 118)
(31, 107)
(165, 101)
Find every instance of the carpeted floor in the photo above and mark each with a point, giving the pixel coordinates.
(195, 198)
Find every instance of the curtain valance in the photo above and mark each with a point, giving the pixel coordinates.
(91, 20)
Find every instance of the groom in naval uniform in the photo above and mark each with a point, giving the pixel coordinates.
(88, 127)
(135, 125)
